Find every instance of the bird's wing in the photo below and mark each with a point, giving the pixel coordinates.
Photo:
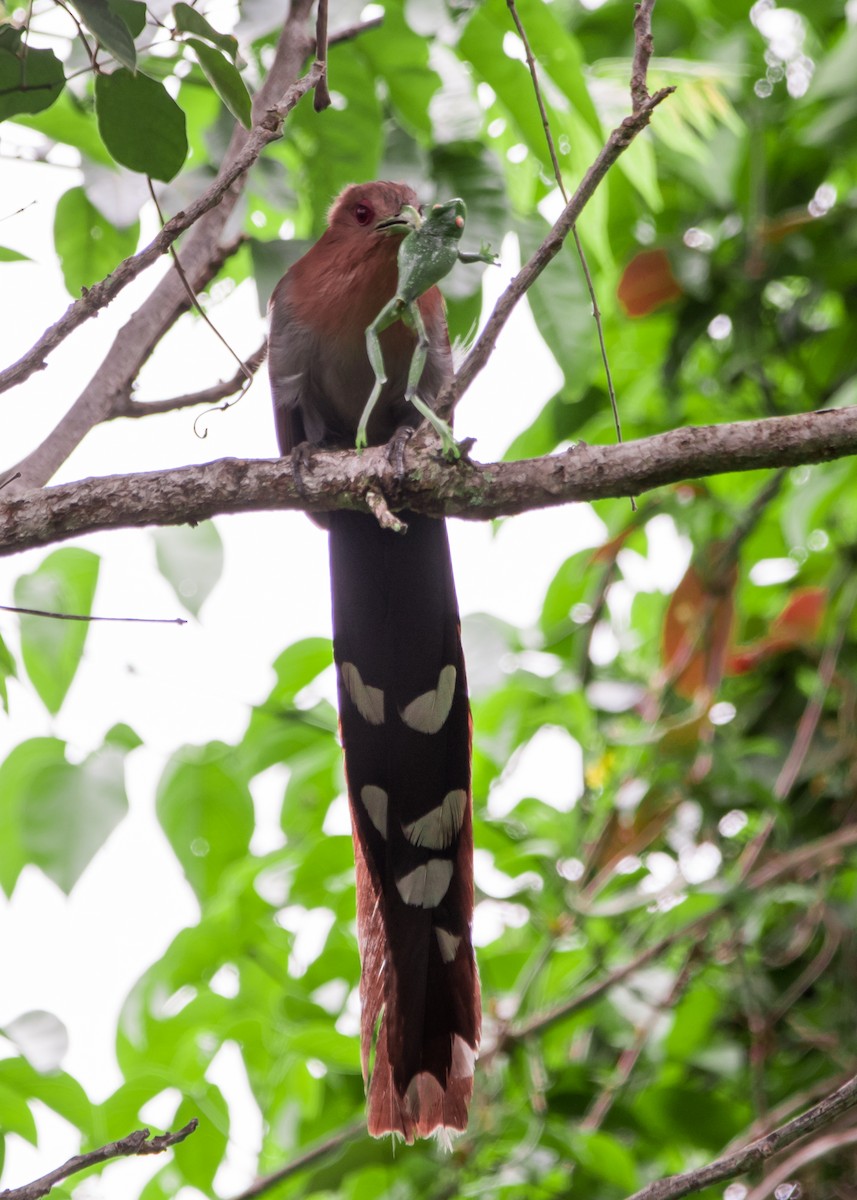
(290, 352)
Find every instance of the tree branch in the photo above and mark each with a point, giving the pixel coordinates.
(806, 1154)
(209, 395)
(758, 1152)
(202, 252)
(317, 1152)
(269, 129)
(619, 141)
(134, 1144)
(816, 855)
(342, 479)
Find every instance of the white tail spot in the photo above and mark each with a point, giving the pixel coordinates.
(424, 1098)
(463, 1059)
(369, 701)
(428, 712)
(375, 802)
(438, 828)
(448, 943)
(427, 885)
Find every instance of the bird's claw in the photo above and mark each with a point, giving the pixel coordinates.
(394, 451)
(301, 464)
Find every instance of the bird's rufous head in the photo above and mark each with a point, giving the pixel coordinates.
(373, 211)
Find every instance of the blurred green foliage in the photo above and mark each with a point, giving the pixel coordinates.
(716, 719)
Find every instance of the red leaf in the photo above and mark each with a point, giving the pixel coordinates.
(696, 633)
(647, 283)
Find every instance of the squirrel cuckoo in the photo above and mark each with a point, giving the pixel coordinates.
(403, 707)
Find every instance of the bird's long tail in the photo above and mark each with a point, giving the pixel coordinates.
(405, 723)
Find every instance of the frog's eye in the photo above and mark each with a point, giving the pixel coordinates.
(362, 214)
(459, 222)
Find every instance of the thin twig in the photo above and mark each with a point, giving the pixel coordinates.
(90, 53)
(817, 854)
(379, 508)
(349, 32)
(629, 1057)
(10, 479)
(135, 1144)
(619, 141)
(60, 616)
(195, 304)
(797, 1100)
(331, 1144)
(812, 713)
(596, 311)
(18, 211)
(785, 1171)
(209, 395)
(758, 1152)
(807, 726)
(321, 99)
(267, 130)
(643, 50)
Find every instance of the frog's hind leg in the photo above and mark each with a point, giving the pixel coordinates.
(388, 314)
(443, 431)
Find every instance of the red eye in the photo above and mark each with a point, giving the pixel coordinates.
(363, 214)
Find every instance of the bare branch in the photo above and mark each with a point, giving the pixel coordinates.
(341, 479)
(209, 395)
(203, 250)
(815, 856)
(349, 32)
(643, 50)
(62, 616)
(758, 1152)
(619, 141)
(578, 244)
(321, 99)
(346, 1135)
(134, 1144)
(268, 129)
(810, 1153)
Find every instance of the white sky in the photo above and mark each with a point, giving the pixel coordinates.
(78, 957)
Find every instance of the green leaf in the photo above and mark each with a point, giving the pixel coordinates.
(7, 255)
(51, 649)
(188, 20)
(693, 1020)
(17, 773)
(400, 57)
(58, 1090)
(225, 79)
(15, 1115)
(207, 814)
(89, 247)
(606, 1158)
(141, 124)
(68, 813)
(110, 30)
(69, 122)
(132, 12)
(122, 736)
(339, 145)
(29, 81)
(562, 306)
(8, 670)
(191, 561)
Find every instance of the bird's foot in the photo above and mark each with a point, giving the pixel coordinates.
(301, 466)
(394, 451)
